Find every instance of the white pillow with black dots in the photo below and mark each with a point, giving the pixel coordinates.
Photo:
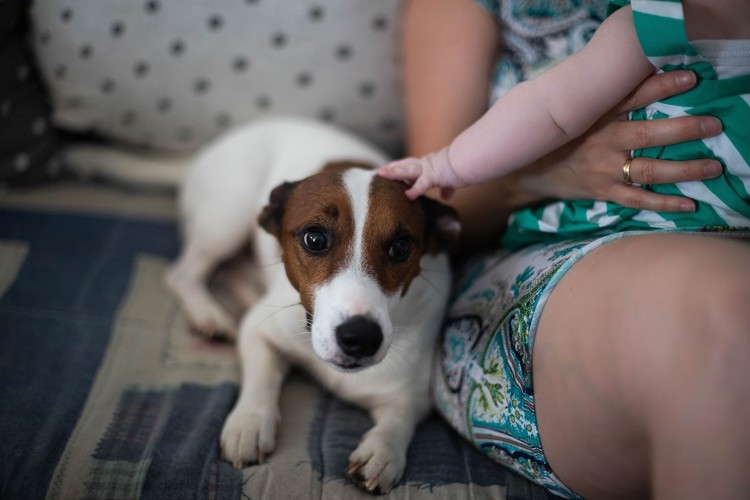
(172, 74)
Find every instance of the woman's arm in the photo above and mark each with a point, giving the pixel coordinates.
(538, 116)
(449, 47)
(591, 166)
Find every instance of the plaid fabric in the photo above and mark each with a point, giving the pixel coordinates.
(116, 479)
(107, 394)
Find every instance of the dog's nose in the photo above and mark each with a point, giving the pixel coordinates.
(359, 336)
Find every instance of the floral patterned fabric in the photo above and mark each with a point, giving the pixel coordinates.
(483, 381)
(537, 34)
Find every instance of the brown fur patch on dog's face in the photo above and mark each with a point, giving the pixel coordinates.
(394, 236)
(318, 205)
(396, 232)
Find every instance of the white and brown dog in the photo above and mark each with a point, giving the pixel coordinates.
(363, 285)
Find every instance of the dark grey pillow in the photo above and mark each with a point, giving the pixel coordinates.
(29, 145)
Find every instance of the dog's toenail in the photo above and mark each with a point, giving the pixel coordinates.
(354, 468)
(372, 484)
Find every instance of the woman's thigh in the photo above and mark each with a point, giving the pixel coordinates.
(623, 330)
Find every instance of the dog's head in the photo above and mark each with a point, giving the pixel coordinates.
(352, 244)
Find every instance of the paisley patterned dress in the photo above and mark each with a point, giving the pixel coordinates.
(483, 380)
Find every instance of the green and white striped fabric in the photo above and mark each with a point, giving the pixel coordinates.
(723, 90)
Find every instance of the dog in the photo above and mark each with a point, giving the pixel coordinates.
(356, 280)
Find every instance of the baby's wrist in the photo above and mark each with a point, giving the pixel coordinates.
(448, 166)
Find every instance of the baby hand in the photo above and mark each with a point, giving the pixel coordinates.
(415, 170)
(433, 170)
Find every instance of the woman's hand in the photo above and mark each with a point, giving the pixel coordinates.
(592, 166)
(449, 48)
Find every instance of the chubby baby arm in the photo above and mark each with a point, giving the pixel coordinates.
(540, 115)
(537, 116)
(431, 171)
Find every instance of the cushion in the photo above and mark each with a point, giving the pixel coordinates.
(28, 144)
(172, 74)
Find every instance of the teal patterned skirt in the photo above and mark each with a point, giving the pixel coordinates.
(483, 384)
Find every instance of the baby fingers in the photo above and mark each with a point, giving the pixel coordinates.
(420, 187)
(406, 169)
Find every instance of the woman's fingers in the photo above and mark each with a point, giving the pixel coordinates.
(658, 87)
(635, 197)
(595, 162)
(650, 133)
(652, 171)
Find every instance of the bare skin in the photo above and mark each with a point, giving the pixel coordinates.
(643, 351)
(641, 364)
(449, 47)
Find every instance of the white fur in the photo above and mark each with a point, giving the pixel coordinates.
(352, 292)
(224, 192)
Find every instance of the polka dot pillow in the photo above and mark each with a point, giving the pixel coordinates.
(172, 74)
(28, 144)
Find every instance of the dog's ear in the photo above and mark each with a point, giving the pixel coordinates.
(442, 228)
(272, 214)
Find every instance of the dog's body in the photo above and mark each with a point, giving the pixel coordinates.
(363, 286)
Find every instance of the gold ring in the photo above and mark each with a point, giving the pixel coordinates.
(626, 172)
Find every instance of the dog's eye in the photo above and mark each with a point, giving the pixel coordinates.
(400, 249)
(315, 240)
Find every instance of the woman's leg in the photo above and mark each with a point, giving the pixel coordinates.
(642, 369)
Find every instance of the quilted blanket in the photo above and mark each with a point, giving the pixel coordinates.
(106, 393)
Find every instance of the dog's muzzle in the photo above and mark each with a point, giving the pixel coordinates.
(359, 337)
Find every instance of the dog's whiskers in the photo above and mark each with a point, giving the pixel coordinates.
(277, 311)
(305, 337)
(400, 353)
(268, 264)
(307, 324)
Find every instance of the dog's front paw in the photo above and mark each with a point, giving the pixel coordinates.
(248, 436)
(376, 465)
(213, 322)
(206, 315)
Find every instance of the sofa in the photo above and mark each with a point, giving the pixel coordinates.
(105, 391)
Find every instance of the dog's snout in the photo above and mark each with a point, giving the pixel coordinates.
(359, 336)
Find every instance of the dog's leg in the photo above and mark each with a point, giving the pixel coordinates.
(241, 279)
(379, 461)
(187, 278)
(249, 433)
